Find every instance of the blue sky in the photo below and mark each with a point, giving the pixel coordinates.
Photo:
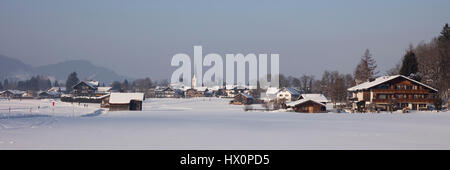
(139, 38)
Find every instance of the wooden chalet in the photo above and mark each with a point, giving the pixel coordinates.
(392, 93)
(191, 93)
(243, 99)
(85, 88)
(307, 106)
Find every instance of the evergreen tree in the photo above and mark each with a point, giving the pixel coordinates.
(116, 86)
(445, 33)
(72, 80)
(56, 84)
(125, 85)
(49, 84)
(410, 66)
(444, 61)
(365, 70)
(6, 84)
(1, 86)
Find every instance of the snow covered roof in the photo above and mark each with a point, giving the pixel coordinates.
(17, 92)
(124, 98)
(57, 89)
(52, 93)
(103, 89)
(297, 102)
(383, 79)
(214, 88)
(202, 89)
(316, 97)
(230, 86)
(92, 84)
(272, 90)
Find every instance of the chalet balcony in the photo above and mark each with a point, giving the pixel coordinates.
(403, 91)
(404, 100)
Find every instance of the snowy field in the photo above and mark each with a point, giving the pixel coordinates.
(210, 123)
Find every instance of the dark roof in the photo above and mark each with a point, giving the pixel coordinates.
(292, 91)
(85, 82)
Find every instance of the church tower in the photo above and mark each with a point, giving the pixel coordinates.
(193, 82)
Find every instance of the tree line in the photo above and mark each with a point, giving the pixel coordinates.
(35, 83)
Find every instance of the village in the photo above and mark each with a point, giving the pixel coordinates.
(224, 75)
(385, 93)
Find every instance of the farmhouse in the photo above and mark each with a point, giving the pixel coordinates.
(48, 94)
(392, 93)
(287, 94)
(125, 101)
(85, 88)
(243, 98)
(307, 106)
(12, 94)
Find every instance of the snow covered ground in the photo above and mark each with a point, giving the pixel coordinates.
(210, 123)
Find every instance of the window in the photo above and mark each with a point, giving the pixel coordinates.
(383, 86)
(381, 96)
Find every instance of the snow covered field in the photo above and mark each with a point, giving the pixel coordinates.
(210, 123)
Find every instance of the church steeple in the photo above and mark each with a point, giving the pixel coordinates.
(194, 82)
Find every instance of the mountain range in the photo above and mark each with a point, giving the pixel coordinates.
(17, 70)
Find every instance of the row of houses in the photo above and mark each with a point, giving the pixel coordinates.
(386, 93)
(54, 92)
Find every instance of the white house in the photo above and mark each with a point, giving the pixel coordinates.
(287, 94)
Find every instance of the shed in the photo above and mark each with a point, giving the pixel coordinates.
(125, 101)
(307, 106)
(243, 98)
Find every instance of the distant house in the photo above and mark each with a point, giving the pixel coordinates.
(164, 92)
(288, 94)
(48, 95)
(244, 99)
(59, 90)
(392, 93)
(316, 97)
(85, 88)
(202, 90)
(104, 101)
(307, 106)
(271, 93)
(192, 93)
(101, 91)
(125, 101)
(220, 93)
(12, 94)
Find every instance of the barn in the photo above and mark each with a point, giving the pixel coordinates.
(243, 98)
(307, 106)
(125, 101)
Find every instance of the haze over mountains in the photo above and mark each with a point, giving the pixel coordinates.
(17, 70)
